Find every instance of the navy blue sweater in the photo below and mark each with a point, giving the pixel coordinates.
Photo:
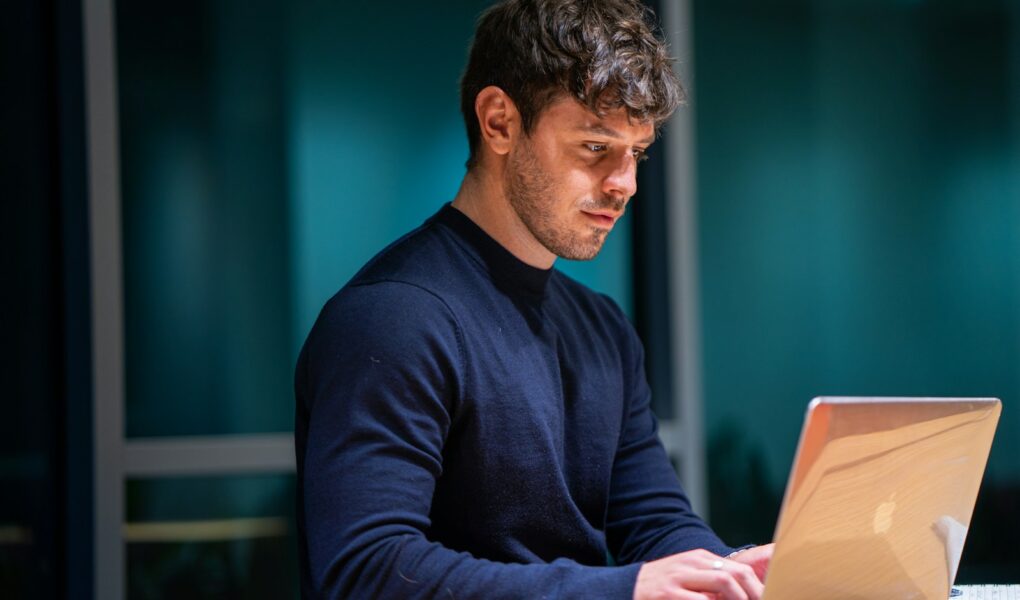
(469, 426)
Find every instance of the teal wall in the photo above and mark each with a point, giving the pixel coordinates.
(859, 203)
(205, 242)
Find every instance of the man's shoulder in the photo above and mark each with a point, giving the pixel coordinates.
(391, 303)
(409, 280)
(428, 257)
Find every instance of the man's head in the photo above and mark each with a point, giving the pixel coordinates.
(561, 98)
(602, 53)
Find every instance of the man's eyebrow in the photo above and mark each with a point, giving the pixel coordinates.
(612, 133)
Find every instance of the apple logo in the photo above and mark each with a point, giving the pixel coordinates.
(883, 515)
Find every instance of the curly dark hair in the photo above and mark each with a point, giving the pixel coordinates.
(607, 54)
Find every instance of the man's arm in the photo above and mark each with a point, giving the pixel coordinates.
(650, 517)
(649, 514)
(379, 383)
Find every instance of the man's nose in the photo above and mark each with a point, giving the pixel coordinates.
(621, 182)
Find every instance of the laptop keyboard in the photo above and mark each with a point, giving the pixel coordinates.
(985, 592)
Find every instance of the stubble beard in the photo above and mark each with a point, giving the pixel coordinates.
(532, 194)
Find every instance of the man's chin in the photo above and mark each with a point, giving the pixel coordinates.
(581, 253)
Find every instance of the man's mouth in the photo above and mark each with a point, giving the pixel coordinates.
(602, 218)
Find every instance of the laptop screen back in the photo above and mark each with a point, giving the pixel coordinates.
(880, 497)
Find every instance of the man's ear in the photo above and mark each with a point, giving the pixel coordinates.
(498, 119)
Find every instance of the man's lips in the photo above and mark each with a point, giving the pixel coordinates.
(603, 218)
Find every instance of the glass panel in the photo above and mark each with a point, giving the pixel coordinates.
(205, 224)
(858, 214)
(211, 537)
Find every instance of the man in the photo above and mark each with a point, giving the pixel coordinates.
(471, 423)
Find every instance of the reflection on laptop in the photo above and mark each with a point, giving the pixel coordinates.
(880, 498)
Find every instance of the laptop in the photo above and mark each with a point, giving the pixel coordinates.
(880, 498)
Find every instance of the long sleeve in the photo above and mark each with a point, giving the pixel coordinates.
(649, 514)
(378, 386)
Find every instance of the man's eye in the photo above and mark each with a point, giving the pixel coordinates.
(597, 148)
(640, 155)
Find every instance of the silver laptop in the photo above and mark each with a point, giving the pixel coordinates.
(880, 498)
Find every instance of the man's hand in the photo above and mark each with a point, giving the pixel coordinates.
(700, 575)
(757, 558)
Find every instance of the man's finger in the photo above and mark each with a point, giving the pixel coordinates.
(716, 581)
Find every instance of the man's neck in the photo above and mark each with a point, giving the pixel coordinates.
(482, 197)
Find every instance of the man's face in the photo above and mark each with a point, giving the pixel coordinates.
(570, 179)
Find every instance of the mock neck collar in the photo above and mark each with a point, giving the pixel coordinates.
(508, 271)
